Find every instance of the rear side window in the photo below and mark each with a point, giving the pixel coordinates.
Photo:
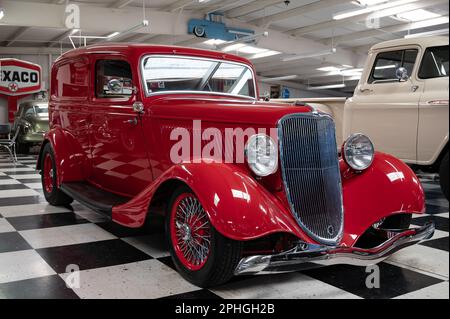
(434, 63)
(72, 80)
(113, 79)
(387, 63)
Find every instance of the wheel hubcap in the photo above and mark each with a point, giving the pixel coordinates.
(190, 232)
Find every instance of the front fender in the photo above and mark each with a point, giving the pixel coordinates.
(71, 161)
(238, 207)
(388, 187)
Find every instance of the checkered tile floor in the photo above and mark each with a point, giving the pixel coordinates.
(38, 242)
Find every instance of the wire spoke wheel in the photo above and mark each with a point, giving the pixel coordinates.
(48, 173)
(190, 231)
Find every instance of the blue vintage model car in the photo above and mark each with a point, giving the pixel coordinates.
(213, 27)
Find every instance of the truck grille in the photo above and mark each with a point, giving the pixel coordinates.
(311, 175)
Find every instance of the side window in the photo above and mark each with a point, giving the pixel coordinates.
(434, 63)
(387, 63)
(113, 79)
(72, 80)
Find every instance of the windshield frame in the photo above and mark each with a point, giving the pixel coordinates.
(179, 56)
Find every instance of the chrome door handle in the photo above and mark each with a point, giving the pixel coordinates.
(414, 88)
(133, 122)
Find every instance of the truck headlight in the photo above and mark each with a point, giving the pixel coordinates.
(358, 152)
(262, 155)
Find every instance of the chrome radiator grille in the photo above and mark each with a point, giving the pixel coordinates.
(311, 175)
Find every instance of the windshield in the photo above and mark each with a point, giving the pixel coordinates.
(37, 110)
(184, 74)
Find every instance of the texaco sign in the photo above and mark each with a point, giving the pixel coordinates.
(19, 77)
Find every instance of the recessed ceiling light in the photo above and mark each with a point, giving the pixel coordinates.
(417, 15)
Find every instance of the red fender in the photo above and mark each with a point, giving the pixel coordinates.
(71, 161)
(238, 206)
(388, 187)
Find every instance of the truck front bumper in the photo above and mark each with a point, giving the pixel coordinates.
(307, 256)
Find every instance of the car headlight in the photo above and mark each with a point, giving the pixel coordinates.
(262, 155)
(358, 152)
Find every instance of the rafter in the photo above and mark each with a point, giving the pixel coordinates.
(251, 7)
(16, 36)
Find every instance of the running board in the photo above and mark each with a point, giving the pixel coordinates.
(95, 198)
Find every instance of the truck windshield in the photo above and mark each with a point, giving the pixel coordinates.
(184, 74)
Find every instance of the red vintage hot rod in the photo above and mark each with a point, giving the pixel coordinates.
(245, 186)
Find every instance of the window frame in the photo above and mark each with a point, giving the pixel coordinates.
(422, 61)
(373, 81)
(179, 56)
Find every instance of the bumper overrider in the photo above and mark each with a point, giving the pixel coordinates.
(307, 256)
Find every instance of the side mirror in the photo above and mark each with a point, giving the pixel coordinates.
(115, 86)
(402, 74)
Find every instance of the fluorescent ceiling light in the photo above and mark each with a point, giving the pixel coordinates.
(74, 31)
(329, 69)
(429, 23)
(112, 35)
(391, 4)
(2, 13)
(281, 78)
(427, 34)
(309, 55)
(417, 15)
(214, 42)
(324, 87)
(264, 54)
(203, 1)
(351, 72)
(233, 47)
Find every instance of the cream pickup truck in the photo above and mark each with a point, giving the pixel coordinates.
(401, 102)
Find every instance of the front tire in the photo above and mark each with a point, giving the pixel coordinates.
(52, 193)
(201, 254)
(443, 175)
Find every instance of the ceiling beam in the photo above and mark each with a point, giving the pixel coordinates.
(293, 12)
(251, 7)
(180, 4)
(56, 40)
(366, 16)
(377, 32)
(16, 36)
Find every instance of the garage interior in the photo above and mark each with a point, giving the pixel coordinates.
(301, 49)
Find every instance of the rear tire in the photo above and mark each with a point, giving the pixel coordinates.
(52, 193)
(218, 256)
(443, 175)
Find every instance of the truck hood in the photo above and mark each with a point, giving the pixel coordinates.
(222, 109)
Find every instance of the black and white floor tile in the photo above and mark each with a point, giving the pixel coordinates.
(40, 243)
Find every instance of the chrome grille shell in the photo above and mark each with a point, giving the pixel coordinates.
(311, 176)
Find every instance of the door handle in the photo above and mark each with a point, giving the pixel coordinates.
(133, 122)
(414, 88)
(365, 90)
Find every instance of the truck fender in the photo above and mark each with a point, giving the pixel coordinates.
(70, 159)
(238, 207)
(388, 187)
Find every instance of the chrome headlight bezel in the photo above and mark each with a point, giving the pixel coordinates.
(358, 162)
(262, 167)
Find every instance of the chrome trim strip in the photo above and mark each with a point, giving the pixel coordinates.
(147, 94)
(307, 256)
(331, 242)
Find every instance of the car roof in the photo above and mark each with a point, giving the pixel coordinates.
(424, 42)
(142, 49)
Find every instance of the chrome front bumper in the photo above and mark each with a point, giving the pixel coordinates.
(307, 256)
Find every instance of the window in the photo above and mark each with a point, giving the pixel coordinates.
(434, 63)
(165, 74)
(113, 79)
(387, 63)
(72, 80)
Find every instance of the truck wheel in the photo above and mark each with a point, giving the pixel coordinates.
(52, 193)
(443, 175)
(201, 255)
(199, 31)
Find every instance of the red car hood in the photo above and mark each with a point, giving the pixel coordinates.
(222, 109)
